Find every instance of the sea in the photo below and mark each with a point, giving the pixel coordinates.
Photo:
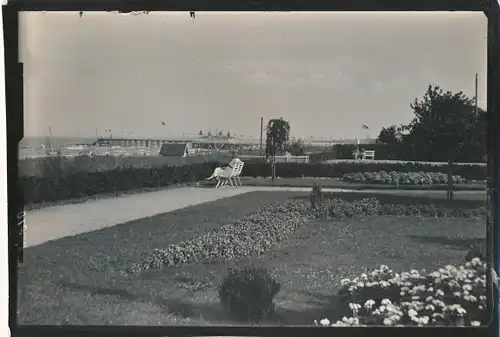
(33, 147)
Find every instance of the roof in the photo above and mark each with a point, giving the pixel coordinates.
(173, 150)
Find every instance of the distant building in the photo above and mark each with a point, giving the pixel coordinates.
(175, 150)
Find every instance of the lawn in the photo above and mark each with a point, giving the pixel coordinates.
(77, 280)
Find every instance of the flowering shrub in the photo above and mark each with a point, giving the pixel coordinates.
(400, 178)
(450, 295)
(340, 208)
(261, 231)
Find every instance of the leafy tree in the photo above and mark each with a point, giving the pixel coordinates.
(228, 134)
(296, 147)
(388, 135)
(277, 137)
(442, 127)
(200, 133)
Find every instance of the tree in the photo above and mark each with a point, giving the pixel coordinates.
(442, 127)
(200, 133)
(228, 134)
(277, 136)
(388, 135)
(296, 147)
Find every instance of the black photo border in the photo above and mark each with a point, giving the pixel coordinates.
(14, 107)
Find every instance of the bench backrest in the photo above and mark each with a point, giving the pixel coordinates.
(370, 153)
(237, 169)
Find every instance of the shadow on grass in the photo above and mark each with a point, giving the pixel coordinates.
(444, 241)
(321, 306)
(210, 312)
(327, 306)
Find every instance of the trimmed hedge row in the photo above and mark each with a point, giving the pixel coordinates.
(82, 184)
(337, 170)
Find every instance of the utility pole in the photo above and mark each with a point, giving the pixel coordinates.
(475, 95)
(261, 132)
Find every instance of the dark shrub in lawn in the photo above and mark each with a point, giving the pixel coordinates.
(248, 293)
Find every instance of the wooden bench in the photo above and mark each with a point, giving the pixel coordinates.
(369, 154)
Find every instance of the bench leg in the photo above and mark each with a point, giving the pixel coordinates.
(230, 181)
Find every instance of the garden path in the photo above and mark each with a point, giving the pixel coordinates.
(55, 222)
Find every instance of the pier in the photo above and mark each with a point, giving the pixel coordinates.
(201, 143)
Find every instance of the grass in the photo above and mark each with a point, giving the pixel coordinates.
(76, 280)
(337, 183)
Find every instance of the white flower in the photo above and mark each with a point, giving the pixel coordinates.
(457, 294)
(369, 304)
(424, 320)
(324, 321)
(429, 307)
(412, 313)
(386, 301)
(345, 282)
(439, 292)
(387, 321)
(475, 323)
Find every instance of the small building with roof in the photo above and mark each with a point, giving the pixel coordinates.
(175, 149)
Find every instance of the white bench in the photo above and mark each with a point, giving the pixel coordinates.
(369, 154)
(234, 174)
(237, 172)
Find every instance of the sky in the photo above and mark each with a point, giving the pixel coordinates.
(326, 73)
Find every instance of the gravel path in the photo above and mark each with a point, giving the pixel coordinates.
(56, 222)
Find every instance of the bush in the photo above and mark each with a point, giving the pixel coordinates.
(80, 184)
(261, 231)
(248, 293)
(451, 295)
(401, 178)
(337, 170)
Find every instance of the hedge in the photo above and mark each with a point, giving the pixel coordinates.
(337, 170)
(82, 184)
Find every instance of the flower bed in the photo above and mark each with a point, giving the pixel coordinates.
(252, 235)
(401, 178)
(450, 295)
(262, 230)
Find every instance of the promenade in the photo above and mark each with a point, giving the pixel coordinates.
(55, 222)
